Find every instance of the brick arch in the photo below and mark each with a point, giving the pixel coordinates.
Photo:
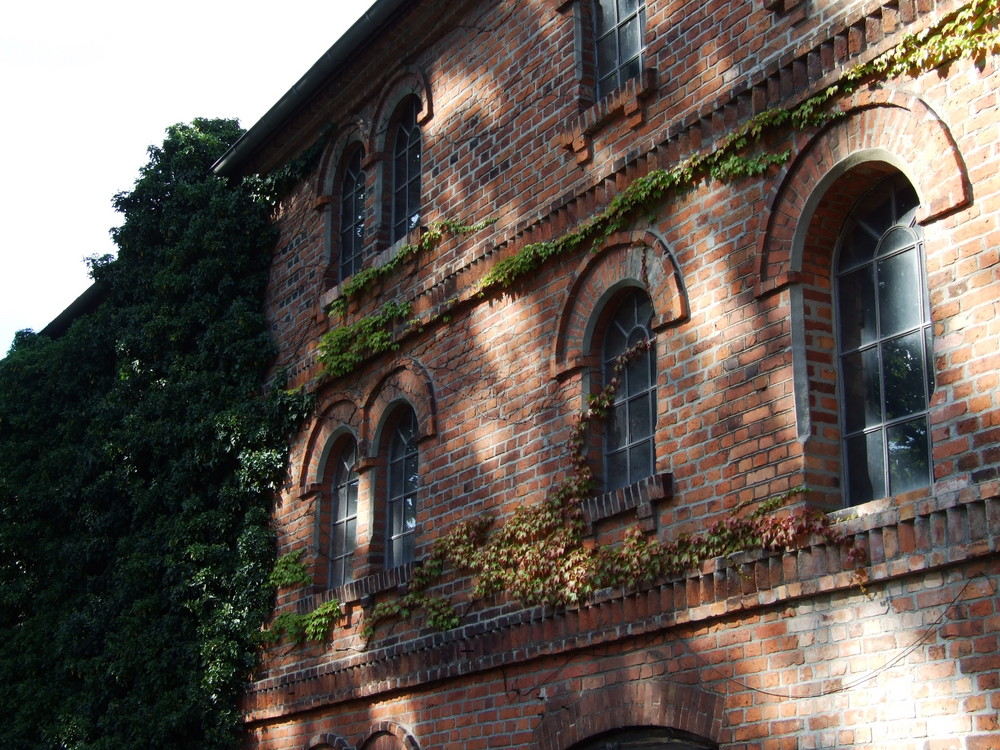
(639, 258)
(877, 125)
(409, 382)
(410, 81)
(328, 741)
(639, 703)
(338, 413)
(355, 131)
(388, 735)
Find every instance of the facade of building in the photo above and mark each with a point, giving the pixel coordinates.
(819, 295)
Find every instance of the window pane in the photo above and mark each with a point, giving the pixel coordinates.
(337, 577)
(627, 7)
(908, 449)
(899, 303)
(862, 399)
(607, 54)
(630, 69)
(409, 513)
(617, 470)
(640, 417)
(628, 40)
(903, 368)
(396, 517)
(604, 15)
(641, 460)
(878, 208)
(350, 534)
(350, 499)
(865, 468)
(856, 300)
(617, 427)
(614, 344)
(906, 199)
(896, 239)
(857, 245)
(638, 375)
(396, 475)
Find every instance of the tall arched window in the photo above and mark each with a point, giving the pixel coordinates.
(343, 517)
(403, 480)
(352, 214)
(884, 345)
(406, 167)
(631, 423)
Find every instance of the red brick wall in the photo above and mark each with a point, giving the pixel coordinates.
(760, 652)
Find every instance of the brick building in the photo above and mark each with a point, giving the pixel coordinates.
(821, 310)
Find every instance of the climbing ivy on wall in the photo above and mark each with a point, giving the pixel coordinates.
(537, 555)
(139, 456)
(973, 31)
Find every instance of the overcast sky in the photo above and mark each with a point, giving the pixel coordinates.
(87, 87)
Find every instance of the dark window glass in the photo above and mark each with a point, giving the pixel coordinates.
(618, 29)
(352, 215)
(631, 424)
(404, 478)
(343, 518)
(406, 157)
(884, 342)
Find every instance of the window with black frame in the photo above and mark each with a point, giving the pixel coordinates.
(403, 481)
(343, 517)
(884, 345)
(619, 26)
(352, 214)
(406, 168)
(631, 421)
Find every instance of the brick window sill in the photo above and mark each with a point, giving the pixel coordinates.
(368, 586)
(627, 103)
(640, 496)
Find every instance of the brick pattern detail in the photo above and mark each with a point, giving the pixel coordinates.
(916, 136)
(790, 651)
(649, 703)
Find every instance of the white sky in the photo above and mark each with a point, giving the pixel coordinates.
(87, 87)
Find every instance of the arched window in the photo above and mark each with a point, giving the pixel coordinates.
(352, 214)
(343, 517)
(403, 480)
(645, 738)
(406, 171)
(631, 422)
(884, 345)
(618, 30)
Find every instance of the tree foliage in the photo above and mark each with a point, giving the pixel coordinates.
(138, 456)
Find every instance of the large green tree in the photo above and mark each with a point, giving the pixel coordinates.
(139, 453)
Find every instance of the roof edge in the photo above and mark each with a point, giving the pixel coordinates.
(370, 23)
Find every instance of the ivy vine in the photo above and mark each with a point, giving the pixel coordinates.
(538, 554)
(970, 32)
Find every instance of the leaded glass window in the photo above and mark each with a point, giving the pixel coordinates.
(631, 421)
(343, 517)
(618, 27)
(352, 215)
(404, 478)
(406, 167)
(884, 345)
